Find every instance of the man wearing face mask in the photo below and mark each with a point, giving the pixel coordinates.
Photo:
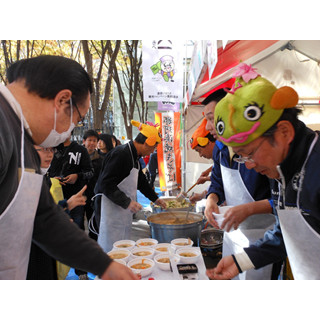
(45, 98)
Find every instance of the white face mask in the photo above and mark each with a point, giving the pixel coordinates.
(55, 138)
(44, 171)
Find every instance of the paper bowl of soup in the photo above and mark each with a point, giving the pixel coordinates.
(141, 252)
(162, 261)
(188, 255)
(141, 266)
(161, 248)
(181, 243)
(124, 244)
(120, 254)
(146, 243)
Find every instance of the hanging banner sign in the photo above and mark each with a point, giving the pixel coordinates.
(162, 65)
(169, 106)
(169, 153)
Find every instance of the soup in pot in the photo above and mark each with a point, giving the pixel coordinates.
(174, 218)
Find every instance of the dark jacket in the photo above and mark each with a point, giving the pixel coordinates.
(272, 248)
(116, 167)
(96, 160)
(72, 159)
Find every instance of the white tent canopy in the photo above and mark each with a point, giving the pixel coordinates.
(300, 57)
(292, 63)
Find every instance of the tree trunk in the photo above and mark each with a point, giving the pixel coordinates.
(99, 108)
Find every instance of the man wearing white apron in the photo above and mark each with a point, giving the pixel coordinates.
(234, 185)
(281, 147)
(29, 115)
(119, 179)
(236, 180)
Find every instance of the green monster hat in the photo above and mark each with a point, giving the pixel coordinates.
(251, 107)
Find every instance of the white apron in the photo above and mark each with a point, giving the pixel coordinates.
(16, 223)
(301, 241)
(116, 222)
(249, 231)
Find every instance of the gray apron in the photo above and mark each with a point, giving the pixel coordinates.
(16, 223)
(301, 241)
(250, 230)
(116, 222)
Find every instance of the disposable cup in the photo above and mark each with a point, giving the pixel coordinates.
(224, 209)
(219, 217)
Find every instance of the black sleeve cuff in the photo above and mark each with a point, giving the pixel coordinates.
(64, 205)
(236, 262)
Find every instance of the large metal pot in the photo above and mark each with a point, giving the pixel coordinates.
(167, 226)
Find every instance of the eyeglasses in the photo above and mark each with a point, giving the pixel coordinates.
(249, 158)
(47, 150)
(81, 122)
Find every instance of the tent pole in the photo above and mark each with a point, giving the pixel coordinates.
(183, 119)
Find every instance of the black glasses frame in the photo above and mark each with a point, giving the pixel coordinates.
(81, 122)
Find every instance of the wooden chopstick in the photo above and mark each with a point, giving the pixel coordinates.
(191, 187)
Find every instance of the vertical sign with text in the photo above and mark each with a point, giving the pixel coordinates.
(169, 153)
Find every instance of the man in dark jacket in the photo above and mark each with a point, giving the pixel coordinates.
(260, 123)
(246, 191)
(120, 177)
(71, 164)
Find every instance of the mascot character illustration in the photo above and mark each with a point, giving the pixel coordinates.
(165, 67)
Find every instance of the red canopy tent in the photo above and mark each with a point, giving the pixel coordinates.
(236, 51)
(284, 62)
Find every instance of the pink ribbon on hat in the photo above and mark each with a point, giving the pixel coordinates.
(234, 88)
(246, 72)
(151, 124)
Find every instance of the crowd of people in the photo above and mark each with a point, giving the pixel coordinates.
(265, 169)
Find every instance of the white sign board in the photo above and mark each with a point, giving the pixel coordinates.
(162, 65)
